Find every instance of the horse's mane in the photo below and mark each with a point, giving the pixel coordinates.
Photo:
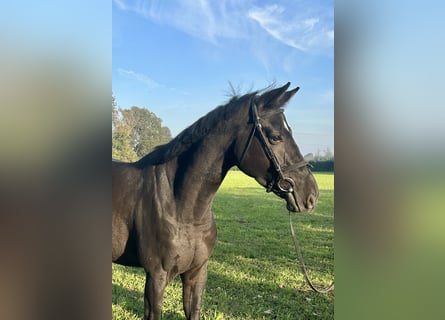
(184, 140)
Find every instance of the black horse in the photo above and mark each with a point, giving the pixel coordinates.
(162, 219)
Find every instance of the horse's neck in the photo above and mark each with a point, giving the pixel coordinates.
(207, 165)
(201, 171)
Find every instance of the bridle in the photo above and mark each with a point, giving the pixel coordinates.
(283, 183)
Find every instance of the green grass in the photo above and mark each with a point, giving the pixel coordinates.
(253, 272)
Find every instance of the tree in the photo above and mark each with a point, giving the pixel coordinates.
(120, 134)
(328, 154)
(135, 132)
(114, 113)
(323, 162)
(146, 129)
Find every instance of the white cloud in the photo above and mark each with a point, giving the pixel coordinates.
(310, 23)
(204, 19)
(295, 29)
(303, 25)
(121, 4)
(147, 81)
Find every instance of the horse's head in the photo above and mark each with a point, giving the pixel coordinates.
(266, 150)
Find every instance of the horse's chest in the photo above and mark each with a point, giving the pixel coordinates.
(188, 248)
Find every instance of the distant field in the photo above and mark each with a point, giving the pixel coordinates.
(253, 272)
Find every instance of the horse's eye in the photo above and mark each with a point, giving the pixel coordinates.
(274, 139)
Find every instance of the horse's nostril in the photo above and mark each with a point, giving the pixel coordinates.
(310, 203)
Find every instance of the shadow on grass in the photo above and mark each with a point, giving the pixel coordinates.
(264, 301)
(129, 300)
(132, 301)
(259, 301)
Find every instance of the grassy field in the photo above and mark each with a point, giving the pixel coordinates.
(253, 272)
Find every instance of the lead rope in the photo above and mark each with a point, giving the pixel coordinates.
(303, 266)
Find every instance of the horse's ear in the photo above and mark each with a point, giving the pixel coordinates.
(285, 97)
(276, 98)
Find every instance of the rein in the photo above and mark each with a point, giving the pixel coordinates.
(303, 266)
(283, 183)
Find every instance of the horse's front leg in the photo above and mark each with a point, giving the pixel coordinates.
(154, 295)
(193, 285)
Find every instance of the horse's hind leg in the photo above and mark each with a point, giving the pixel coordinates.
(193, 285)
(154, 295)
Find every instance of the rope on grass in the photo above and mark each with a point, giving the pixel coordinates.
(303, 266)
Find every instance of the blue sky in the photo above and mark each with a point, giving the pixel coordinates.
(176, 58)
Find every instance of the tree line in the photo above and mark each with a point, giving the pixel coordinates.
(323, 162)
(135, 132)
